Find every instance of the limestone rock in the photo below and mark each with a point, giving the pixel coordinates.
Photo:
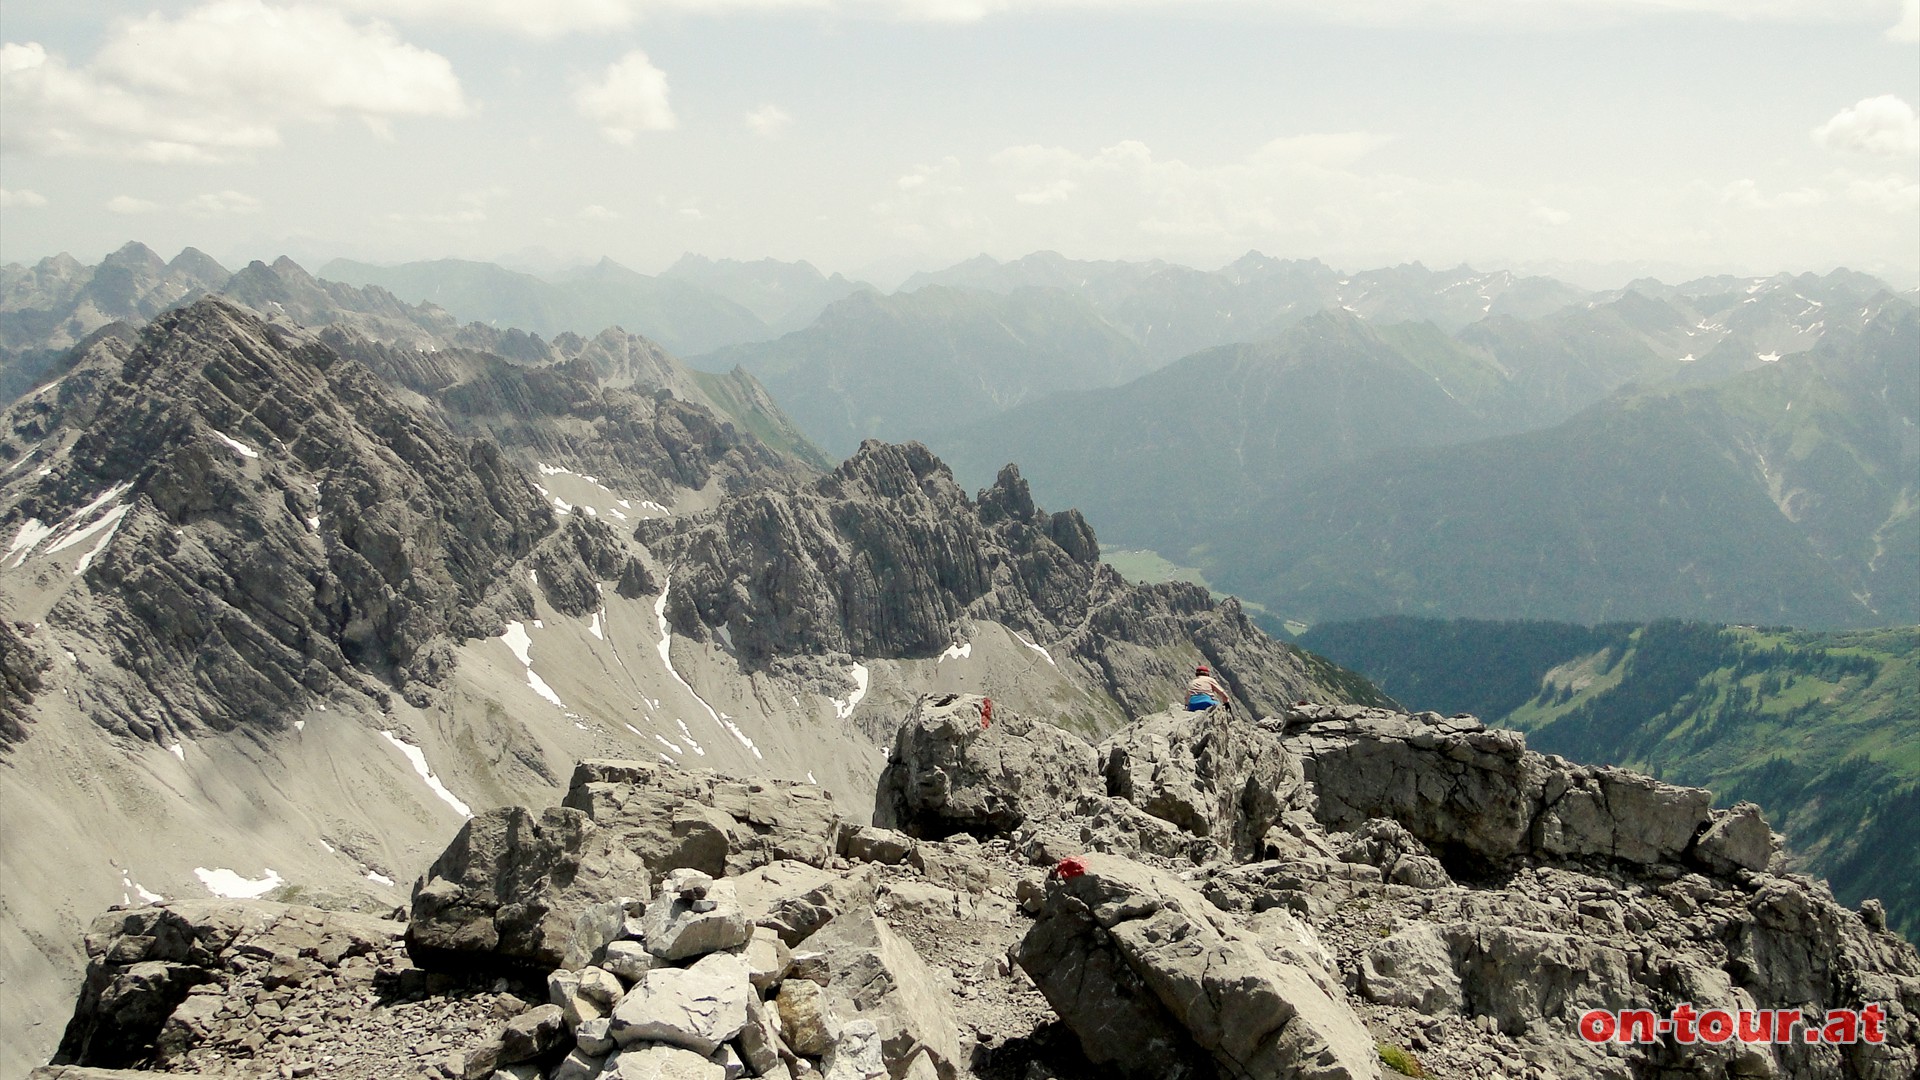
(875, 975)
(698, 1007)
(1154, 980)
(674, 818)
(694, 915)
(532, 1034)
(1736, 839)
(511, 888)
(1414, 969)
(1209, 773)
(949, 772)
(660, 1062)
(806, 1017)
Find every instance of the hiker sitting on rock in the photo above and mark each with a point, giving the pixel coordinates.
(1203, 692)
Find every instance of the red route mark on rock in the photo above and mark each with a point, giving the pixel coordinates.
(986, 712)
(1068, 869)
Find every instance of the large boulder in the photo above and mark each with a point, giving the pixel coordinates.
(1156, 982)
(675, 818)
(955, 768)
(512, 887)
(1472, 792)
(1206, 772)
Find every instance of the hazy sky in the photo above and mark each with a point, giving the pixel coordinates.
(879, 135)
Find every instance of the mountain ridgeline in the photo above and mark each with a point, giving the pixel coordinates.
(1820, 728)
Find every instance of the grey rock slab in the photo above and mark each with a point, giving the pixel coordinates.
(875, 974)
(659, 1062)
(949, 772)
(1412, 969)
(698, 1007)
(694, 915)
(531, 1034)
(1145, 971)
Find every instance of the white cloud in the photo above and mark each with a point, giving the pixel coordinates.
(630, 97)
(768, 119)
(1747, 195)
(127, 204)
(1907, 30)
(216, 82)
(1883, 126)
(22, 198)
(1547, 215)
(222, 204)
(552, 18)
(1887, 194)
(596, 212)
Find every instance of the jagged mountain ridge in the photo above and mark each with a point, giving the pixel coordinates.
(303, 691)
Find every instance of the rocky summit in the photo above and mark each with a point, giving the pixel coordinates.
(1327, 892)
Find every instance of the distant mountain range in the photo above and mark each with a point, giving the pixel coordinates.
(48, 308)
(909, 364)
(1789, 494)
(1347, 469)
(1821, 729)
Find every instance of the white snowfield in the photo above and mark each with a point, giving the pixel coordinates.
(419, 759)
(236, 445)
(843, 709)
(229, 885)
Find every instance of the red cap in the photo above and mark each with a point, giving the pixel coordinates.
(1201, 670)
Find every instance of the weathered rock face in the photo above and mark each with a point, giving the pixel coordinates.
(271, 520)
(1207, 773)
(1145, 970)
(520, 891)
(649, 437)
(20, 668)
(513, 890)
(886, 557)
(164, 982)
(954, 768)
(1480, 794)
(1308, 957)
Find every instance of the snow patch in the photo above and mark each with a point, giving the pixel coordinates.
(1768, 358)
(1043, 652)
(134, 887)
(29, 537)
(649, 504)
(299, 725)
(516, 640)
(956, 651)
(669, 745)
(594, 627)
(844, 709)
(229, 885)
(691, 741)
(178, 750)
(380, 879)
(236, 445)
(419, 760)
(727, 722)
(666, 656)
(540, 687)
